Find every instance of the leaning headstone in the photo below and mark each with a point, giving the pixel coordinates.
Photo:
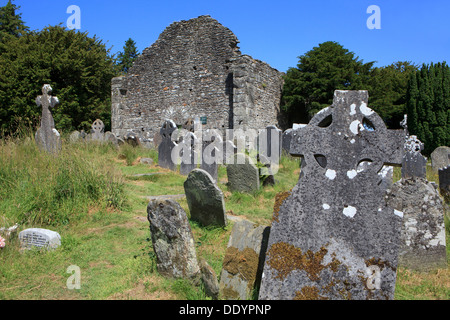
(212, 152)
(243, 175)
(243, 261)
(440, 157)
(39, 238)
(166, 146)
(209, 279)
(444, 183)
(423, 231)
(205, 200)
(47, 137)
(111, 138)
(333, 236)
(414, 164)
(75, 136)
(172, 240)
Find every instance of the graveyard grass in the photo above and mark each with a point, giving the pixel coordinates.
(89, 194)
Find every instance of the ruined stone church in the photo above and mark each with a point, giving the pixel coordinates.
(195, 69)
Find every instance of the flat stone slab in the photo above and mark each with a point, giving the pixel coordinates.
(39, 238)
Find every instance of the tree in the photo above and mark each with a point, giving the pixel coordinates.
(428, 105)
(128, 56)
(79, 69)
(11, 24)
(388, 91)
(322, 70)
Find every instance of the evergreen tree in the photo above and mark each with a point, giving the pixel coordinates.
(428, 105)
(128, 56)
(310, 87)
(79, 69)
(11, 24)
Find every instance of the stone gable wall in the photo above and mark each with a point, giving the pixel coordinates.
(195, 69)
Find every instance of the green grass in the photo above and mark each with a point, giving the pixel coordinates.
(89, 195)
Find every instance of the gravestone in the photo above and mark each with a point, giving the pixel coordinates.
(333, 236)
(269, 149)
(166, 146)
(423, 230)
(132, 139)
(98, 130)
(243, 175)
(172, 240)
(414, 163)
(39, 238)
(444, 182)
(75, 136)
(243, 261)
(212, 152)
(188, 147)
(229, 150)
(111, 138)
(286, 140)
(440, 157)
(205, 199)
(47, 137)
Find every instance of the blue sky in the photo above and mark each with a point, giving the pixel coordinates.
(276, 31)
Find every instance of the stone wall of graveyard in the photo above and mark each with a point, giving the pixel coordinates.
(195, 69)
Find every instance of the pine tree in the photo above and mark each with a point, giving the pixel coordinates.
(428, 105)
(11, 23)
(128, 56)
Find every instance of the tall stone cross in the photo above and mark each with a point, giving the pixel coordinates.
(47, 137)
(333, 236)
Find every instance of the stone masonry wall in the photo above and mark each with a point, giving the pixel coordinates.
(195, 69)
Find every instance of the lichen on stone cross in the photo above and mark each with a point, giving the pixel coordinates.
(47, 137)
(334, 235)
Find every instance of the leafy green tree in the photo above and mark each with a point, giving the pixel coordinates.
(388, 91)
(126, 58)
(79, 69)
(11, 24)
(428, 105)
(310, 86)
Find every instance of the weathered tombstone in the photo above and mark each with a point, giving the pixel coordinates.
(212, 152)
(286, 140)
(414, 163)
(39, 238)
(172, 240)
(423, 230)
(205, 199)
(243, 261)
(440, 157)
(111, 137)
(188, 147)
(333, 236)
(444, 182)
(209, 279)
(269, 149)
(132, 139)
(75, 136)
(243, 175)
(97, 130)
(166, 146)
(47, 137)
(229, 150)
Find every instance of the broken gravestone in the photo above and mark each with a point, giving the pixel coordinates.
(440, 157)
(243, 261)
(333, 236)
(205, 199)
(243, 175)
(172, 240)
(47, 137)
(414, 163)
(166, 146)
(39, 238)
(423, 230)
